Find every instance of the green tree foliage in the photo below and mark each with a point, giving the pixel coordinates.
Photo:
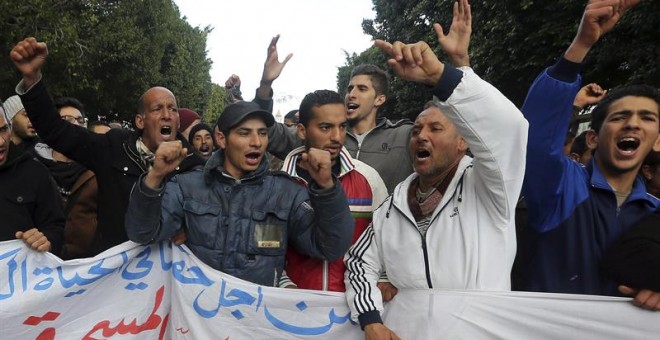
(216, 103)
(108, 52)
(512, 41)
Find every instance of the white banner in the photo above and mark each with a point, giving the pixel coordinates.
(164, 292)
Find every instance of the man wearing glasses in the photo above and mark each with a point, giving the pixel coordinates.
(76, 184)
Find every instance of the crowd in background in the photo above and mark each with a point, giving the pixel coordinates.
(475, 193)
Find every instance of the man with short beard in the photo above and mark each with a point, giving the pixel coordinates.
(30, 205)
(201, 138)
(23, 134)
(322, 125)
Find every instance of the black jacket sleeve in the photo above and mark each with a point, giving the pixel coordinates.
(635, 259)
(73, 141)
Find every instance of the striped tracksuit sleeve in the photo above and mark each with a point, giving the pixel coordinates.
(363, 269)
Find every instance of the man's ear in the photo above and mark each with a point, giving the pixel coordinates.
(302, 132)
(220, 139)
(574, 156)
(656, 146)
(463, 145)
(591, 140)
(380, 100)
(139, 121)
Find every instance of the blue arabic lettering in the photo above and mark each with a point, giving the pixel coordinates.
(299, 330)
(240, 297)
(98, 270)
(143, 263)
(198, 275)
(45, 283)
(11, 265)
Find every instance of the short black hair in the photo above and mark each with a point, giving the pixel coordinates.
(378, 77)
(291, 115)
(91, 125)
(315, 99)
(599, 113)
(579, 146)
(70, 102)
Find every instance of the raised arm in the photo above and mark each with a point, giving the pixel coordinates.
(272, 69)
(455, 43)
(548, 108)
(281, 138)
(73, 141)
(480, 113)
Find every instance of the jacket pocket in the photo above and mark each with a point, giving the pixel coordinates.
(268, 233)
(20, 210)
(202, 223)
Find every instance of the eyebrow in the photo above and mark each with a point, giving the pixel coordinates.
(630, 112)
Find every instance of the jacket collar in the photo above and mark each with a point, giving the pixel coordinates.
(131, 151)
(638, 192)
(291, 160)
(400, 195)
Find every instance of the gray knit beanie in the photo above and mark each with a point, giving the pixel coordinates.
(12, 106)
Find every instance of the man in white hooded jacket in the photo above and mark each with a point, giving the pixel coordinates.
(449, 225)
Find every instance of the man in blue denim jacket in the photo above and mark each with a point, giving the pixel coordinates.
(239, 217)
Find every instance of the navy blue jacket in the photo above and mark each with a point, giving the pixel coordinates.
(572, 209)
(243, 227)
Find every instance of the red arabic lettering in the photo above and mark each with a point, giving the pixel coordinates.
(152, 322)
(47, 334)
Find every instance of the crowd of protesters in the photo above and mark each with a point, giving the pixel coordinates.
(471, 190)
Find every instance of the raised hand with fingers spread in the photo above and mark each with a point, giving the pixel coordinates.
(456, 42)
(273, 67)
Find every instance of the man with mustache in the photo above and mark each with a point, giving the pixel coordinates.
(201, 138)
(240, 217)
(118, 157)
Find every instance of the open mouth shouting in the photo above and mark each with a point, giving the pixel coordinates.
(253, 158)
(351, 107)
(205, 149)
(167, 133)
(422, 154)
(627, 146)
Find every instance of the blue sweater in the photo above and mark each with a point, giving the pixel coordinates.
(572, 209)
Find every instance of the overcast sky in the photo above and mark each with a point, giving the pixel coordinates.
(315, 31)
